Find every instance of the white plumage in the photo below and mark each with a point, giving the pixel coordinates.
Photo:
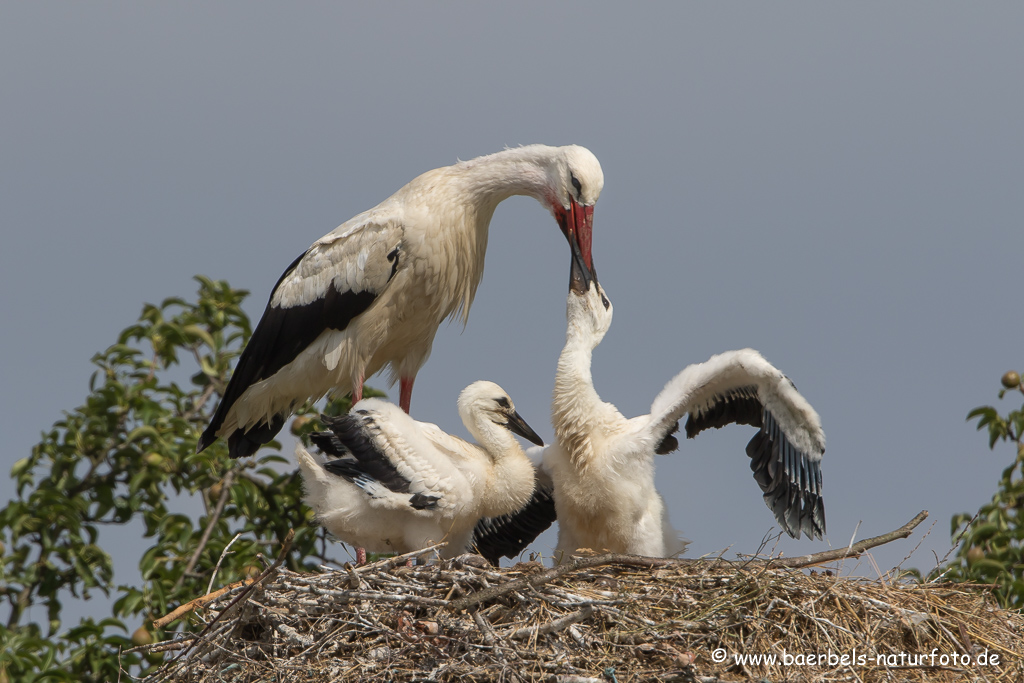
(388, 483)
(602, 464)
(370, 294)
(508, 535)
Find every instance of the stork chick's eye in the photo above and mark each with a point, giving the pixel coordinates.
(503, 402)
(604, 300)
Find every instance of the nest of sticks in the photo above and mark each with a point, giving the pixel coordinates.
(595, 618)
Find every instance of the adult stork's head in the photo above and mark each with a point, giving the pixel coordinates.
(574, 184)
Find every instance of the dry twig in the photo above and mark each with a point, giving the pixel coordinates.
(854, 550)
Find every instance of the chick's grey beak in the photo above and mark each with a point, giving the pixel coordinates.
(517, 425)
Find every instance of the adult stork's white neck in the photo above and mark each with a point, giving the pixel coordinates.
(369, 295)
(566, 180)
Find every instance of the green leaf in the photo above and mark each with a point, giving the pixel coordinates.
(196, 331)
(141, 432)
(20, 467)
(986, 413)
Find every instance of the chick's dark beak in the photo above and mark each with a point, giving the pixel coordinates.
(517, 425)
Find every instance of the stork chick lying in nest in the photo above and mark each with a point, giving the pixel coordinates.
(391, 484)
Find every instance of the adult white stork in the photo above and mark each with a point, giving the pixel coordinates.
(391, 484)
(370, 294)
(602, 464)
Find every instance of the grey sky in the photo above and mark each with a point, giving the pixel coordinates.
(837, 186)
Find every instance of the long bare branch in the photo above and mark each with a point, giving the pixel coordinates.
(229, 480)
(854, 550)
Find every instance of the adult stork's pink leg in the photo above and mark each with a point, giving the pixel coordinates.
(405, 393)
(360, 556)
(357, 390)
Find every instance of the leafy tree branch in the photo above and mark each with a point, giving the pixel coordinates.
(128, 453)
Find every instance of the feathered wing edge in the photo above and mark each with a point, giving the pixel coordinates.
(357, 457)
(741, 387)
(319, 291)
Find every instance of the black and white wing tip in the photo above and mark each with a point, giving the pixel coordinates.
(790, 478)
(509, 535)
(789, 475)
(357, 456)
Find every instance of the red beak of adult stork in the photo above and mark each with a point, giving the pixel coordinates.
(577, 224)
(580, 276)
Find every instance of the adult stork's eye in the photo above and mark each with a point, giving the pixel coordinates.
(578, 185)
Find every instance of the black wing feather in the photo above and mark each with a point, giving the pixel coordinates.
(789, 479)
(351, 442)
(508, 535)
(668, 443)
(243, 444)
(280, 336)
(738, 406)
(351, 470)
